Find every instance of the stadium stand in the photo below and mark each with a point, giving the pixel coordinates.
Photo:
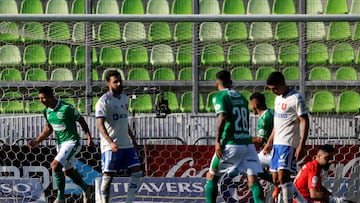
(349, 101)
(132, 7)
(36, 74)
(241, 73)
(185, 74)
(10, 74)
(10, 55)
(136, 55)
(134, 32)
(81, 74)
(323, 102)
(61, 74)
(142, 103)
(291, 73)
(235, 31)
(172, 101)
(163, 74)
(238, 54)
(138, 74)
(13, 102)
(31, 7)
(262, 73)
(111, 56)
(162, 55)
(320, 73)
(186, 102)
(210, 73)
(184, 55)
(212, 54)
(233, 7)
(210, 32)
(209, 107)
(34, 55)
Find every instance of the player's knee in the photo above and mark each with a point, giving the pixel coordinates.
(56, 166)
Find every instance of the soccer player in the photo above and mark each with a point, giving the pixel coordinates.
(285, 140)
(61, 118)
(117, 140)
(234, 151)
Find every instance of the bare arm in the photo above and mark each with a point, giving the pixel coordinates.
(322, 195)
(43, 135)
(269, 144)
(304, 123)
(220, 123)
(85, 127)
(132, 136)
(100, 123)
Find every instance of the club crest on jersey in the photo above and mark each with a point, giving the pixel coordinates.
(59, 115)
(283, 106)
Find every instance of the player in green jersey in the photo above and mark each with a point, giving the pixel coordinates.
(234, 151)
(61, 118)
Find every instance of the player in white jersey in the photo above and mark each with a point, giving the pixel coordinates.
(286, 139)
(117, 140)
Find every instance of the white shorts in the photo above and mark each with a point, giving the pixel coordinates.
(66, 153)
(265, 158)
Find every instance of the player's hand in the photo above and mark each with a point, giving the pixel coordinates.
(114, 147)
(33, 143)
(267, 148)
(299, 153)
(218, 150)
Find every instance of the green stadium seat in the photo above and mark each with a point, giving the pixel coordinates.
(134, 32)
(241, 73)
(162, 55)
(65, 97)
(34, 55)
(212, 54)
(31, 7)
(159, 32)
(235, 31)
(79, 56)
(238, 54)
(58, 31)
(261, 31)
(81, 104)
(33, 105)
(356, 33)
(284, 7)
(10, 74)
(110, 69)
(57, 7)
(357, 60)
(32, 32)
(60, 55)
(183, 32)
(78, 7)
(141, 104)
(138, 74)
(288, 54)
(346, 73)
(320, 73)
(322, 102)
(337, 7)
(210, 32)
(163, 74)
(107, 7)
(315, 31)
(269, 99)
(342, 53)
(12, 102)
(286, 31)
(36, 74)
(61, 74)
(209, 107)
(109, 31)
(339, 31)
(111, 55)
(185, 74)
(78, 33)
(264, 54)
(262, 73)
(158, 7)
(186, 102)
(184, 55)
(132, 7)
(355, 7)
(181, 7)
(314, 7)
(209, 7)
(258, 7)
(136, 55)
(9, 32)
(317, 53)
(81, 75)
(8, 7)
(10, 55)
(291, 73)
(233, 7)
(348, 102)
(210, 73)
(172, 101)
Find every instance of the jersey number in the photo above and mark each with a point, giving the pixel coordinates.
(241, 122)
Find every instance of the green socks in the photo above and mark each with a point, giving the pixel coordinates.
(60, 184)
(257, 192)
(77, 179)
(211, 191)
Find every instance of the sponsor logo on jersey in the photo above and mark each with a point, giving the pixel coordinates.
(58, 127)
(59, 115)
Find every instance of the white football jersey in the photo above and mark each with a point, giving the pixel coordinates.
(115, 112)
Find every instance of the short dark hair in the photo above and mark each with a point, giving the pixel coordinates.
(258, 96)
(327, 148)
(275, 78)
(47, 91)
(112, 73)
(225, 77)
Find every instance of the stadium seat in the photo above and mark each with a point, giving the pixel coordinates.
(136, 55)
(315, 31)
(58, 31)
(284, 7)
(141, 104)
(184, 54)
(181, 7)
(159, 32)
(8, 7)
(78, 33)
(61, 74)
(286, 31)
(79, 56)
(32, 32)
(78, 7)
(107, 7)
(34, 55)
(263, 54)
(158, 7)
(210, 32)
(110, 69)
(109, 31)
(212, 54)
(317, 53)
(172, 101)
(322, 102)
(258, 7)
(132, 7)
(185, 74)
(10, 74)
(163, 74)
(320, 73)
(210, 73)
(111, 56)
(134, 32)
(186, 102)
(262, 73)
(81, 75)
(209, 107)
(33, 105)
(10, 55)
(235, 31)
(60, 55)
(357, 60)
(9, 32)
(12, 102)
(81, 104)
(65, 97)
(288, 54)
(261, 31)
(339, 31)
(36, 74)
(346, 73)
(314, 7)
(356, 32)
(31, 7)
(337, 7)
(269, 99)
(138, 74)
(355, 7)
(183, 32)
(233, 7)
(238, 54)
(241, 73)
(161, 55)
(209, 7)
(349, 102)
(291, 73)
(57, 7)
(342, 53)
